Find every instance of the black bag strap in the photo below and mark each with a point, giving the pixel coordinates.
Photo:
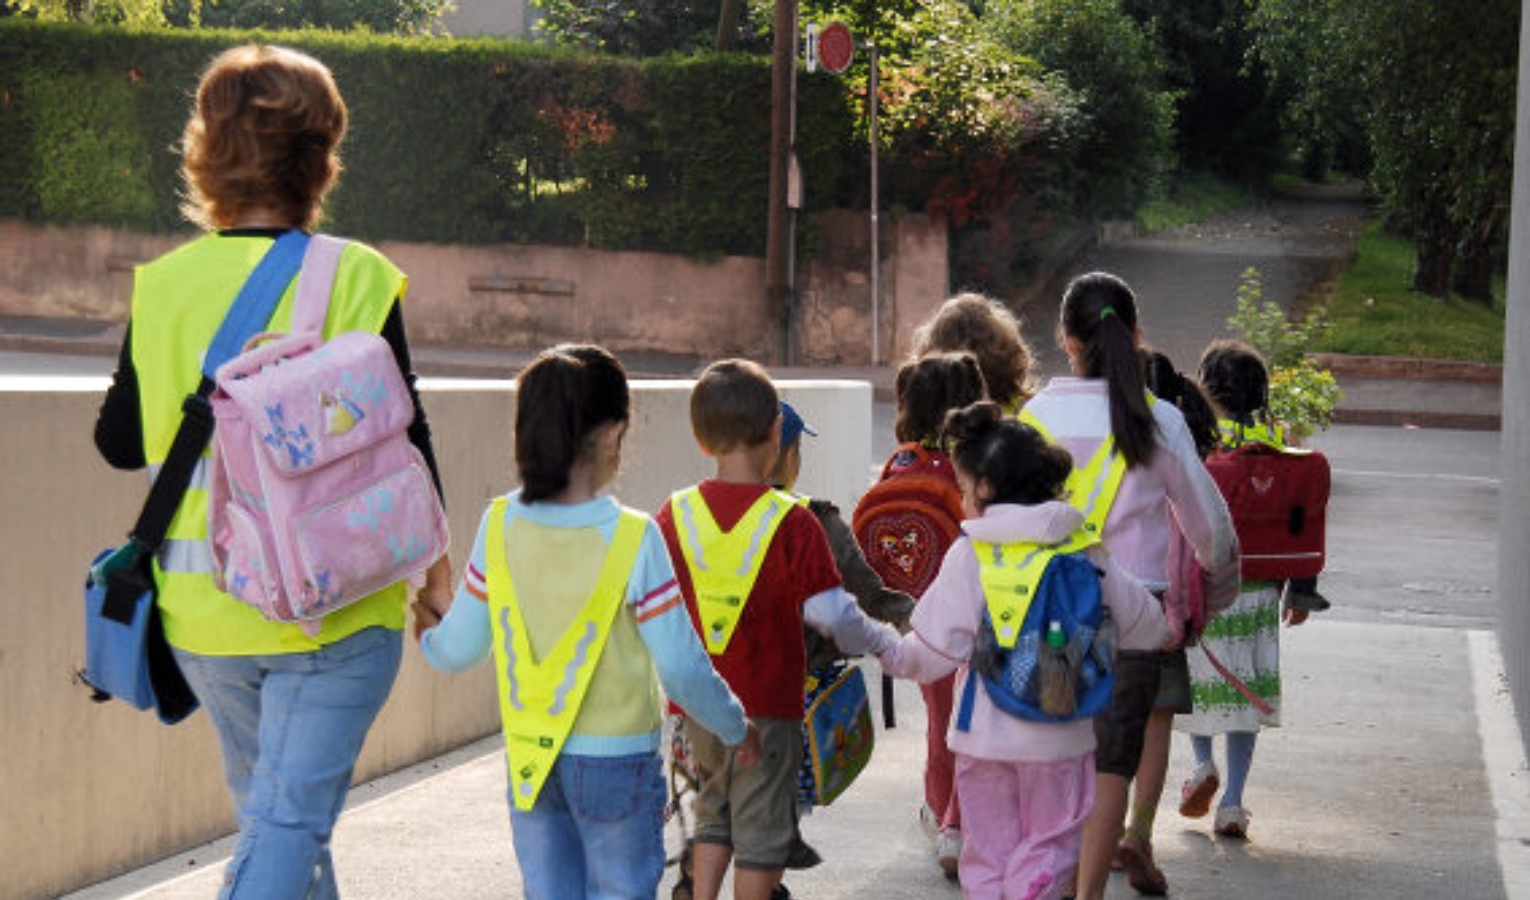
(251, 312)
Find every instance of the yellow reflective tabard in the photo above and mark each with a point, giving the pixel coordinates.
(1010, 574)
(1236, 434)
(725, 564)
(1092, 489)
(539, 699)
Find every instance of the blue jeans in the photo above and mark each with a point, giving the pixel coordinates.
(596, 831)
(291, 726)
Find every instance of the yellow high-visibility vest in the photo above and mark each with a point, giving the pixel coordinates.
(1010, 574)
(1092, 489)
(540, 699)
(1236, 434)
(179, 300)
(724, 565)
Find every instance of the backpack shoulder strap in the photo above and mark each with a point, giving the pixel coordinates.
(316, 281)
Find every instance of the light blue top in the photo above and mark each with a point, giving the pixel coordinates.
(464, 637)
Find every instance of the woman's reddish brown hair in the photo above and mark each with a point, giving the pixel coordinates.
(264, 138)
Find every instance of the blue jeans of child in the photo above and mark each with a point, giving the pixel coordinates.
(291, 726)
(596, 831)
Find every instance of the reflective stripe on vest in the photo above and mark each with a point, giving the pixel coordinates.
(186, 556)
(539, 700)
(1236, 434)
(725, 564)
(1092, 489)
(1010, 574)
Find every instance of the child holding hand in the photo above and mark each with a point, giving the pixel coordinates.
(1026, 787)
(578, 600)
(754, 566)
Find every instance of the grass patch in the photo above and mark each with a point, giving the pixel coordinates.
(1375, 312)
(1192, 199)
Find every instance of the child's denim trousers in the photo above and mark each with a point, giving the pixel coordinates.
(596, 831)
(291, 726)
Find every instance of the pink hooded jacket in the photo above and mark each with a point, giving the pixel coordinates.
(947, 619)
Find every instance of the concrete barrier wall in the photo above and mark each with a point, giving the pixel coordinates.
(93, 790)
(1514, 452)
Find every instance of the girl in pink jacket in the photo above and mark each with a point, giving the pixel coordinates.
(1025, 787)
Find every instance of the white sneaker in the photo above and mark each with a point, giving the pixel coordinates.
(1195, 796)
(948, 851)
(1232, 821)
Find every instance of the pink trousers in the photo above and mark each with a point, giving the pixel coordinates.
(1023, 824)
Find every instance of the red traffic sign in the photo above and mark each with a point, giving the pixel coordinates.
(835, 47)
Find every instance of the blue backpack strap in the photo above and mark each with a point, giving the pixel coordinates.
(257, 300)
(969, 691)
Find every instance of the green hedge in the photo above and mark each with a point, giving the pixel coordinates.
(472, 141)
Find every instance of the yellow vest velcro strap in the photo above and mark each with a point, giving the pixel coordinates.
(1010, 574)
(724, 565)
(540, 699)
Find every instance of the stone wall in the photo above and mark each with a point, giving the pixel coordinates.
(528, 297)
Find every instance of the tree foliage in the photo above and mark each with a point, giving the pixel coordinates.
(1115, 67)
(1227, 116)
(382, 16)
(652, 27)
(1438, 83)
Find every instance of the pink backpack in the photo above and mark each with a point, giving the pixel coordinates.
(317, 499)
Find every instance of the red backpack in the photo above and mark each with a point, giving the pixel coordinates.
(1278, 498)
(909, 518)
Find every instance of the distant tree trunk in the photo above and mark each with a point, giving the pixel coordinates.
(1472, 276)
(727, 25)
(1436, 251)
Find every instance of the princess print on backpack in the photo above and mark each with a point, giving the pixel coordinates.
(317, 496)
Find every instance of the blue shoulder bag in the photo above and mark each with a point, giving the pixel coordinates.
(126, 654)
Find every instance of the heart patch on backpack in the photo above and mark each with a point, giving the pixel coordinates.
(906, 543)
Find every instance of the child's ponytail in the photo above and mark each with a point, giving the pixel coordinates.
(568, 392)
(1100, 312)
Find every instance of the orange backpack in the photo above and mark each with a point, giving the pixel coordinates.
(909, 518)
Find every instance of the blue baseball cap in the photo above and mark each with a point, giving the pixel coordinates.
(792, 426)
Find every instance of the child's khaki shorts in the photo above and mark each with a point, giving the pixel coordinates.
(752, 810)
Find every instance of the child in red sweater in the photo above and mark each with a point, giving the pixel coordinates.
(754, 566)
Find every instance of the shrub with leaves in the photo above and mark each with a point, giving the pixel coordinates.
(1302, 394)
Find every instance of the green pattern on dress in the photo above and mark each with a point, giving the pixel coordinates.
(1219, 694)
(1242, 625)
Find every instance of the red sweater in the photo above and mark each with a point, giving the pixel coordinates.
(765, 662)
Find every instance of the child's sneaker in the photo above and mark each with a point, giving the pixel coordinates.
(1232, 822)
(1200, 787)
(948, 851)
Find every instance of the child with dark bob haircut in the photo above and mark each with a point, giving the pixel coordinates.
(553, 562)
(1026, 787)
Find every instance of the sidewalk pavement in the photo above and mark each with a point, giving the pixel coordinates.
(1376, 391)
(1386, 781)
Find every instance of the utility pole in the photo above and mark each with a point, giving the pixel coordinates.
(778, 286)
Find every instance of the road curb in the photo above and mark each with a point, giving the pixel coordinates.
(1408, 368)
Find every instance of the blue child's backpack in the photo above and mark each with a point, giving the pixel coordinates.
(1058, 665)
